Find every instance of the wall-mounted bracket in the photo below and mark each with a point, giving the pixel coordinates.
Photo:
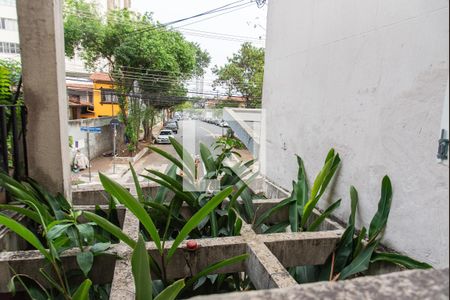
(443, 146)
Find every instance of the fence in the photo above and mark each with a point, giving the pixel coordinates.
(13, 146)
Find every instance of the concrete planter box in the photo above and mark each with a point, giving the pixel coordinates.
(269, 254)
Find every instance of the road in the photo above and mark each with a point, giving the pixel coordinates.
(205, 133)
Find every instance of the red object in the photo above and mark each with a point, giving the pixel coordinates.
(192, 245)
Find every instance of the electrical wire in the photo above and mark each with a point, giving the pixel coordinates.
(165, 25)
(228, 12)
(228, 8)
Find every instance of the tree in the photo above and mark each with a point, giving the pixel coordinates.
(136, 49)
(243, 74)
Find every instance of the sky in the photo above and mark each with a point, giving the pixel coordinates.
(246, 22)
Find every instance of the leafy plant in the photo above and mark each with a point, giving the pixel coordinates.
(183, 181)
(140, 258)
(56, 229)
(302, 201)
(355, 253)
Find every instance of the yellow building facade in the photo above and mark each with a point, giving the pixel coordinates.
(105, 100)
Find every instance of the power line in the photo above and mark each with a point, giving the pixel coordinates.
(219, 34)
(224, 37)
(231, 7)
(192, 23)
(222, 8)
(109, 91)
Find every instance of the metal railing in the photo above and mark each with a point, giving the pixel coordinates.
(13, 144)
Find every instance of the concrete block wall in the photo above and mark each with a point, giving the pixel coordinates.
(369, 79)
(99, 143)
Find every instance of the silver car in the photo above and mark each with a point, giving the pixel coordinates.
(164, 136)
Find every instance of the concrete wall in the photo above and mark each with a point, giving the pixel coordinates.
(368, 78)
(99, 143)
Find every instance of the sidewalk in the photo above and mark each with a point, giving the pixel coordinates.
(106, 165)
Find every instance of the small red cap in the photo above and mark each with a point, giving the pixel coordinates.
(192, 245)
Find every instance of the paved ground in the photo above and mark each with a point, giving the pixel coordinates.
(204, 133)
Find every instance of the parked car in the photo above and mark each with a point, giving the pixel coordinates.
(172, 126)
(164, 135)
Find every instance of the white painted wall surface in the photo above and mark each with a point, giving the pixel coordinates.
(367, 78)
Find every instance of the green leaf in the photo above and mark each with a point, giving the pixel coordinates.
(354, 205)
(86, 232)
(139, 192)
(214, 225)
(359, 241)
(172, 291)
(140, 267)
(163, 191)
(197, 218)
(168, 187)
(185, 156)
(82, 293)
(360, 263)
(315, 225)
(302, 185)
(124, 197)
(26, 234)
(273, 210)
(167, 156)
(237, 227)
(32, 287)
(306, 274)
(173, 185)
(23, 211)
(278, 228)
(214, 267)
(85, 261)
(345, 247)
(57, 230)
(400, 260)
(379, 221)
(100, 247)
(110, 227)
(320, 184)
(50, 280)
(293, 210)
(208, 159)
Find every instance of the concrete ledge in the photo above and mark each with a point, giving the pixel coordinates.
(408, 285)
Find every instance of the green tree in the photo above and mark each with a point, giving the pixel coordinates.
(135, 48)
(243, 74)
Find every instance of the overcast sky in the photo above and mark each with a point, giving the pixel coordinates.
(249, 22)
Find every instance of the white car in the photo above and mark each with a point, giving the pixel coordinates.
(224, 124)
(164, 135)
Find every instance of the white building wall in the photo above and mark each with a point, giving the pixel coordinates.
(8, 11)
(369, 79)
(76, 65)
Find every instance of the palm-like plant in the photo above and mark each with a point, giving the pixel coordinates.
(354, 254)
(303, 201)
(56, 230)
(136, 206)
(182, 181)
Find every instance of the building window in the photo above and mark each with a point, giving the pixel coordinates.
(8, 2)
(8, 24)
(12, 48)
(109, 96)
